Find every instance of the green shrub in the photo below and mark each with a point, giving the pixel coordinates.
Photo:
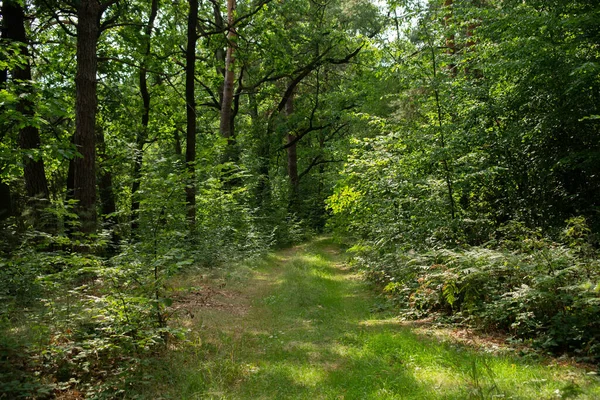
(522, 284)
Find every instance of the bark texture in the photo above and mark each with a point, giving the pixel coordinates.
(292, 153)
(190, 98)
(226, 126)
(106, 189)
(88, 30)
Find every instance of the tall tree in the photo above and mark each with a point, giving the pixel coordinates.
(226, 126)
(6, 208)
(36, 185)
(84, 173)
(190, 99)
(142, 135)
(89, 13)
(291, 151)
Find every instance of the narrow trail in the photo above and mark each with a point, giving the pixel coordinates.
(300, 325)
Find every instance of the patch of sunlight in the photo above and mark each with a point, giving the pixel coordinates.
(300, 375)
(315, 260)
(307, 375)
(296, 345)
(187, 323)
(348, 279)
(523, 381)
(379, 322)
(533, 379)
(356, 277)
(437, 378)
(268, 280)
(257, 331)
(249, 369)
(342, 350)
(18, 330)
(387, 393)
(322, 274)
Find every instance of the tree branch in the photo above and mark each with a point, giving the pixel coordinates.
(214, 103)
(316, 161)
(346, 59)
(57, 18)
(305, 132)
(238, 94)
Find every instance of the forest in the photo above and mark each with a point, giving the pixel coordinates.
(449, 148)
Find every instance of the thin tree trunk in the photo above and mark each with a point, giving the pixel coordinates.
(36, 185)
(220, 53)
(106, 189)
(88, 30)
(445, 164)
(263, 188)
(135, 186)
(70, 184)
(142, 135)
(226, 125)
(178, 148)
(292, 155)
(5, 201)
(70, 191)
(190, 97)
(6, 209)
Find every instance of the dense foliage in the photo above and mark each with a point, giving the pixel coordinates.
(472, 191)
(453, 143)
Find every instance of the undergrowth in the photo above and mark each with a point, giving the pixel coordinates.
(78, 320)
(536, 290)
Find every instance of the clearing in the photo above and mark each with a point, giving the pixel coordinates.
(300, 324)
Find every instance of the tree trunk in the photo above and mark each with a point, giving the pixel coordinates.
(142, 135)
(227, 126)
(450, 39)
(190, 98)
(88, 30)
(6, 209)
(5, 201)
(70, 184)
(106, 190)
(226, 112)
(220, 53)
(445, 164)
(177, 147)
(70, 227)
(262, 194)
(292, 155)
(36, 185)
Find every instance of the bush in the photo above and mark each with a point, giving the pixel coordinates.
(522, 284)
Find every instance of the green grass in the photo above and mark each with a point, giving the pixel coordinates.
(306, 330)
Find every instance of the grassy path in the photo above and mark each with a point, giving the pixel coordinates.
(299, 325)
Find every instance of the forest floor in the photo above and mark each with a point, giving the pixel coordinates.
(301, 324)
